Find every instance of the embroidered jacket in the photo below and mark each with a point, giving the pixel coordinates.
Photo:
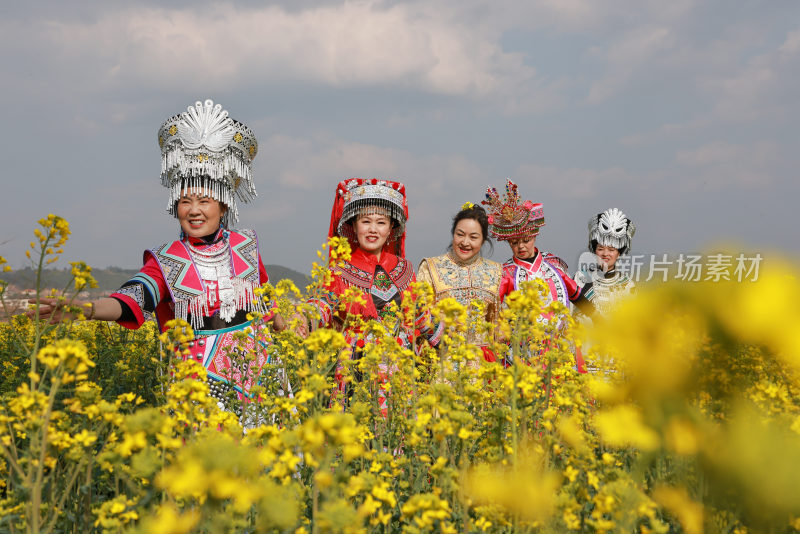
(562, 287)
(172, 284)
(606, 289)
(477, 279)
(381, 281)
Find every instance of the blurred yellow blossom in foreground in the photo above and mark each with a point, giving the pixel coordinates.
(692, 423)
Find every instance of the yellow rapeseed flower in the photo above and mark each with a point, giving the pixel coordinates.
(681, 436)
(678, 502)
(623, 426)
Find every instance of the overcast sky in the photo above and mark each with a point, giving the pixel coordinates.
(684, 114)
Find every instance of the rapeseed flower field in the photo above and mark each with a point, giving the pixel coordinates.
(691, 424)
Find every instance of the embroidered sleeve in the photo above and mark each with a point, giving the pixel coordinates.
(132, 291)
(327, 303)
(433, 332)
(424, 272)
(435, 336)
(402, 274)
(579, 295)
(507, 282)
(555, 261)
(424, 325)
(140, 295)
(573, 289)
(426, 328)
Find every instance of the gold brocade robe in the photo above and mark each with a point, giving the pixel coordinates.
(476, 279)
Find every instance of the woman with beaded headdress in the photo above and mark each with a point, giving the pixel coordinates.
(371, 214)
(209, 275)
(610, 236)
(463, 273)
(518, 223)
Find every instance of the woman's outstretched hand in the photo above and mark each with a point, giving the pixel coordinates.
(55, 311)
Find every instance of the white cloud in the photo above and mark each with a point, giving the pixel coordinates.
(576, 16)
(711, 153)
(791, 45)
(451, 48)
(352, 44)
(708, 92)
(737, 84)
(302, 163)
(305, 163)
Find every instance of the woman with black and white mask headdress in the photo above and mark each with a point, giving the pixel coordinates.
(610, 235)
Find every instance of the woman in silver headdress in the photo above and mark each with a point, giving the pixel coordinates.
(371, 214)
(610, 235)
(209, 275)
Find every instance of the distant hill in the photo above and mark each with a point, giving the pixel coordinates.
(279, 272)
(111, 278)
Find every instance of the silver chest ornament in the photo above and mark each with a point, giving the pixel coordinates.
(214, 266)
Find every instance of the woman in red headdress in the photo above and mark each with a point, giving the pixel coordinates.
(371, 214)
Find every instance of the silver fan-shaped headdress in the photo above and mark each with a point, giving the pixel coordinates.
(204, 148)
(611, 228)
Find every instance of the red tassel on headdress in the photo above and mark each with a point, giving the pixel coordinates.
(336, 212)
(395, 246)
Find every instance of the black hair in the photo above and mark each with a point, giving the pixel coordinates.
(476, 213)
(594, 243)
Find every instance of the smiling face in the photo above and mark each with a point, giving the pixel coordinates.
(523, 248)
(467, 239)
(199, 214)
(608, 256)
(372, 231)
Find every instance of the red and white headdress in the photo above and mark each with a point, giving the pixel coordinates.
(357, 196)
(510, 219)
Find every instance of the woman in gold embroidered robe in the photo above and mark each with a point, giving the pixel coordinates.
(463, 273)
